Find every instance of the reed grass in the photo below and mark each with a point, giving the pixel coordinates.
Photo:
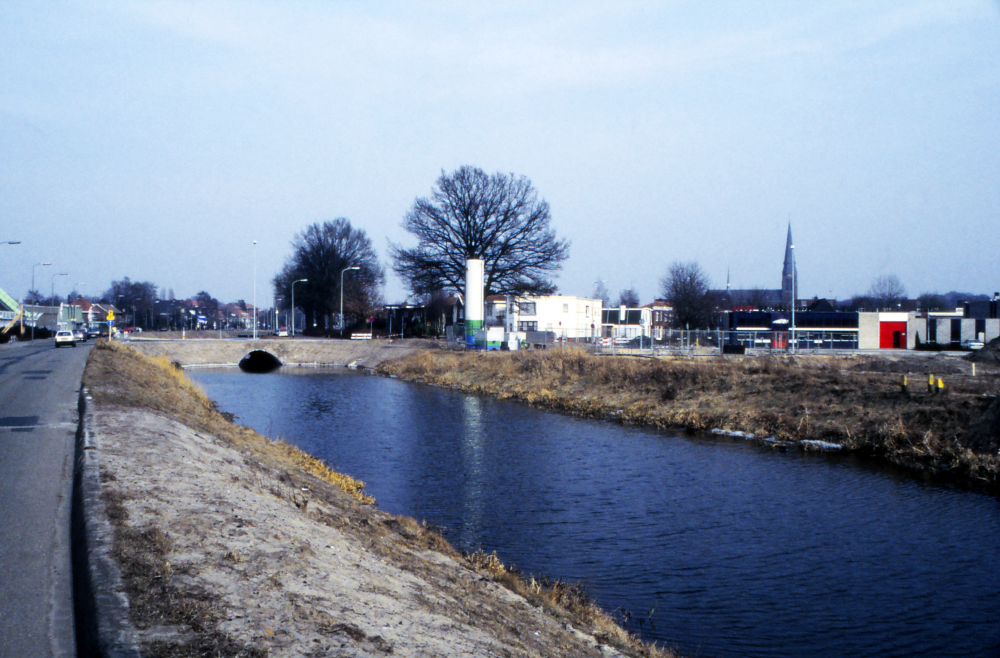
(841, 400)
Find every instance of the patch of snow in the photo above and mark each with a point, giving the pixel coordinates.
(823, 445)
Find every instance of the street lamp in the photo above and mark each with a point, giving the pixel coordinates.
(11, 242)
(33, 274)
(794, 344)
(293, 299)
(353, 267)
(52, 293)
(255, 290)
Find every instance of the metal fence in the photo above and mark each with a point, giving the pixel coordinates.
(708, 342)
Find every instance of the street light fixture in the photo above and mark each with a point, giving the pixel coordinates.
(11, 242)
(255, 290)
(293, 299)
(52, 292)
(33, 274)
(794, 344)
(353, 267)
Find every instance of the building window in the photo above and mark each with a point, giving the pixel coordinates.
(565, 308)
(587, 310)
(527, 326)
(527, 308)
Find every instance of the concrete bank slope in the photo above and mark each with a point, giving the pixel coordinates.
(298, 351)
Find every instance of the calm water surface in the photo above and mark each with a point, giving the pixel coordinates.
(714, 546)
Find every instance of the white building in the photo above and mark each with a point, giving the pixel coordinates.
(565, 316)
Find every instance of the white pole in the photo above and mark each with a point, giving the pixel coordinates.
(255, 290)
(794, 344)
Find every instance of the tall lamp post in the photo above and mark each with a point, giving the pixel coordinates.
(52, 293)
(35, 321)
(11, 242)
(293, 299)
(794, 291)
(33, 273)
(255, 290)
(342, 272)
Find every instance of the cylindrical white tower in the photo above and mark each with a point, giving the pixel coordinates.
(473, 300)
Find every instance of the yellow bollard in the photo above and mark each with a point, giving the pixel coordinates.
(940, 385)
(903, 385)
(930, 383)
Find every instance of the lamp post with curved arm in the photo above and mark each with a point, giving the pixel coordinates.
(293, 298)
(352, 267)
(33, 273)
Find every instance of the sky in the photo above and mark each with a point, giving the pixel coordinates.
(159, 140)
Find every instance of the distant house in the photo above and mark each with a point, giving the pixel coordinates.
(565, 317)
(661, 318)
(626, 323)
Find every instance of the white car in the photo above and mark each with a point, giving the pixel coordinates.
(972, 344)
(65, 338)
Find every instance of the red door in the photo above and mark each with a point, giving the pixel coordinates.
(892, 335)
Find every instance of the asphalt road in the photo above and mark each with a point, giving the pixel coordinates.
(38, 417)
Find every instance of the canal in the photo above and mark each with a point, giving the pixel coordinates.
(709, 544)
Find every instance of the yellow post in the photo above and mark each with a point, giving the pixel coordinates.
(940, 385)
(903, 385)
(930, 383)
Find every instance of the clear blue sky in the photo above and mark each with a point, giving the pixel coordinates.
(157, 140)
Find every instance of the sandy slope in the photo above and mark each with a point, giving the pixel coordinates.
(327, 577)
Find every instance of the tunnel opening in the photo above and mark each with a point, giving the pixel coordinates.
(259, 361)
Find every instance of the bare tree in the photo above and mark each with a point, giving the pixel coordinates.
(601, 293)
(136, 296)
(932, 301)
(471, 214)
(685, 286)
(886, 291)
(628, 298)
(320, 254)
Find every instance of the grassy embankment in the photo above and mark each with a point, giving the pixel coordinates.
(830, 399)
(118, 376)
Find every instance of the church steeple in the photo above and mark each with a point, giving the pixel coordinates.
(789, 273)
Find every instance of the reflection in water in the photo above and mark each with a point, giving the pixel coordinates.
(716, 546)
(472, 484)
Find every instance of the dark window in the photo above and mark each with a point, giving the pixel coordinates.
(527, 308)
(956, 330)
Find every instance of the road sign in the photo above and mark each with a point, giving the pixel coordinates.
(111, 316)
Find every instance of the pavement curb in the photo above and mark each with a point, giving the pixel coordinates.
(103, 629)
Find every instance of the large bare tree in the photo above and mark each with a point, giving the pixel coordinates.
(685, 286)
(320, 254)
(887, 291)
(471, 214)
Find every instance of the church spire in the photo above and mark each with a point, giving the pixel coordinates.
(789, 273)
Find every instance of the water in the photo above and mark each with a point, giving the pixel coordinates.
(711, 545)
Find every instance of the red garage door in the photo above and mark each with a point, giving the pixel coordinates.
(892, 335)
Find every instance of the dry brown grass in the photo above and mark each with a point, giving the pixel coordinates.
(119, 375)
(568, 602)
(838, 400)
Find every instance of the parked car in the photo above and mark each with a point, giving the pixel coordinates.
(65, 338)
(972, 344)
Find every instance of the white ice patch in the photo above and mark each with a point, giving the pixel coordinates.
(823, 445)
